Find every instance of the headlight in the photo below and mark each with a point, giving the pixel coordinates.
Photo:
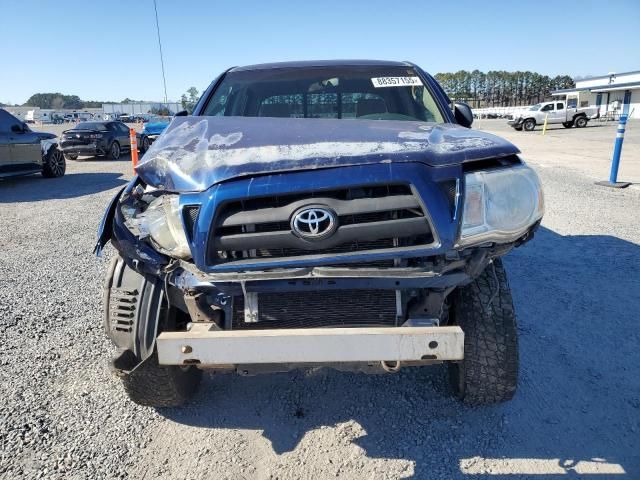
(500, 205)
(161, 221)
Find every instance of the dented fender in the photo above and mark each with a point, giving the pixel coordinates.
(46, 145)
(138, 254)
(106, 225)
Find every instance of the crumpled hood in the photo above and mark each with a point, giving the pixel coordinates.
(195, 153)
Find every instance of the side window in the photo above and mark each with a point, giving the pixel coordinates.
(547, 108)
(572, 103)
(122, 128)
(559, 106)
(7, 121)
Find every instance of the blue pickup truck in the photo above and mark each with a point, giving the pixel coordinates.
(151, 130)
(335, 213)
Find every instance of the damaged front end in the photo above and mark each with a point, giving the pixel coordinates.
(234, 269)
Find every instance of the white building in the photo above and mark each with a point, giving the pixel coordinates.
(617, 93)
(112, 110)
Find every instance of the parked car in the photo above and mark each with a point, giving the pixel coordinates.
(23, 151)
(322, 213)
(57, 118)
(151, 130)
(77, 117)
(555, 112)
(107, 139)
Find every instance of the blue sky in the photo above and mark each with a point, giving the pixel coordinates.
(107, 50)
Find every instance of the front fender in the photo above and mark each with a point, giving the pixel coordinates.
(105, 231)
(138, 254)
(46, 145)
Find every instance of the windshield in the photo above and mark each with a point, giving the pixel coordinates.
(535, 107)
(90, 126)
(368, 93)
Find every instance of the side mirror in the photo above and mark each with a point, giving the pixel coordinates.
(182, 113)
(463, 114)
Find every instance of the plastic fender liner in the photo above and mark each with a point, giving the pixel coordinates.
(132, 309)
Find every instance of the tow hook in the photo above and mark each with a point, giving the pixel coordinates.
(390, 367)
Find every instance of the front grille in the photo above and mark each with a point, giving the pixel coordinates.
(320, 308)
(368, 218)
(347, 247)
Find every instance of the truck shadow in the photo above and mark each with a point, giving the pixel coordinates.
(576, 414)
(34, 188)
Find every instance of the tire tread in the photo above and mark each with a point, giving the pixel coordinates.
(489, 371)
(154, 385)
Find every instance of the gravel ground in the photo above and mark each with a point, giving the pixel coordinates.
(577, 412)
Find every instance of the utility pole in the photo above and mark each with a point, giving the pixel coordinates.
(164, 80)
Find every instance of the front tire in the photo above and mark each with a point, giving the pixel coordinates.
(54, 164)
(144, 144)
(529, 124)
(581, 122)
(484, 310)
(154, 385)
(114, 151)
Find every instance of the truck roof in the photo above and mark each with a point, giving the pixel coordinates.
(322, 63)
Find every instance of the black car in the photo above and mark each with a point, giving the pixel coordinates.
(107, 139)
(23, 151)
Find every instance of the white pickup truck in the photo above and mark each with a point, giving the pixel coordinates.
(558, 111)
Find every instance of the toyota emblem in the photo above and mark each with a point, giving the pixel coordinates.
(313, 223)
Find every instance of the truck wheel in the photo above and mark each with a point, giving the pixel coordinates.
(484, 311)
(581, 122)
(54, 164)
(114, 151)
(154, 385)
(567, 124)
(71, 156)
(529, 124)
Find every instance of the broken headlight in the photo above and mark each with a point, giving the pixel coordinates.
(500, 205)
(161, 222)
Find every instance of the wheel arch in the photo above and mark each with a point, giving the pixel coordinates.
(46, 146)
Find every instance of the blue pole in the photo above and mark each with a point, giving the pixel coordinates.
(617, 150)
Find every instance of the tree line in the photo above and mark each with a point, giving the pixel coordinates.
(58, 100)
(498, 88)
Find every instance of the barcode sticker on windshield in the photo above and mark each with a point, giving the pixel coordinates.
(380, 82)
